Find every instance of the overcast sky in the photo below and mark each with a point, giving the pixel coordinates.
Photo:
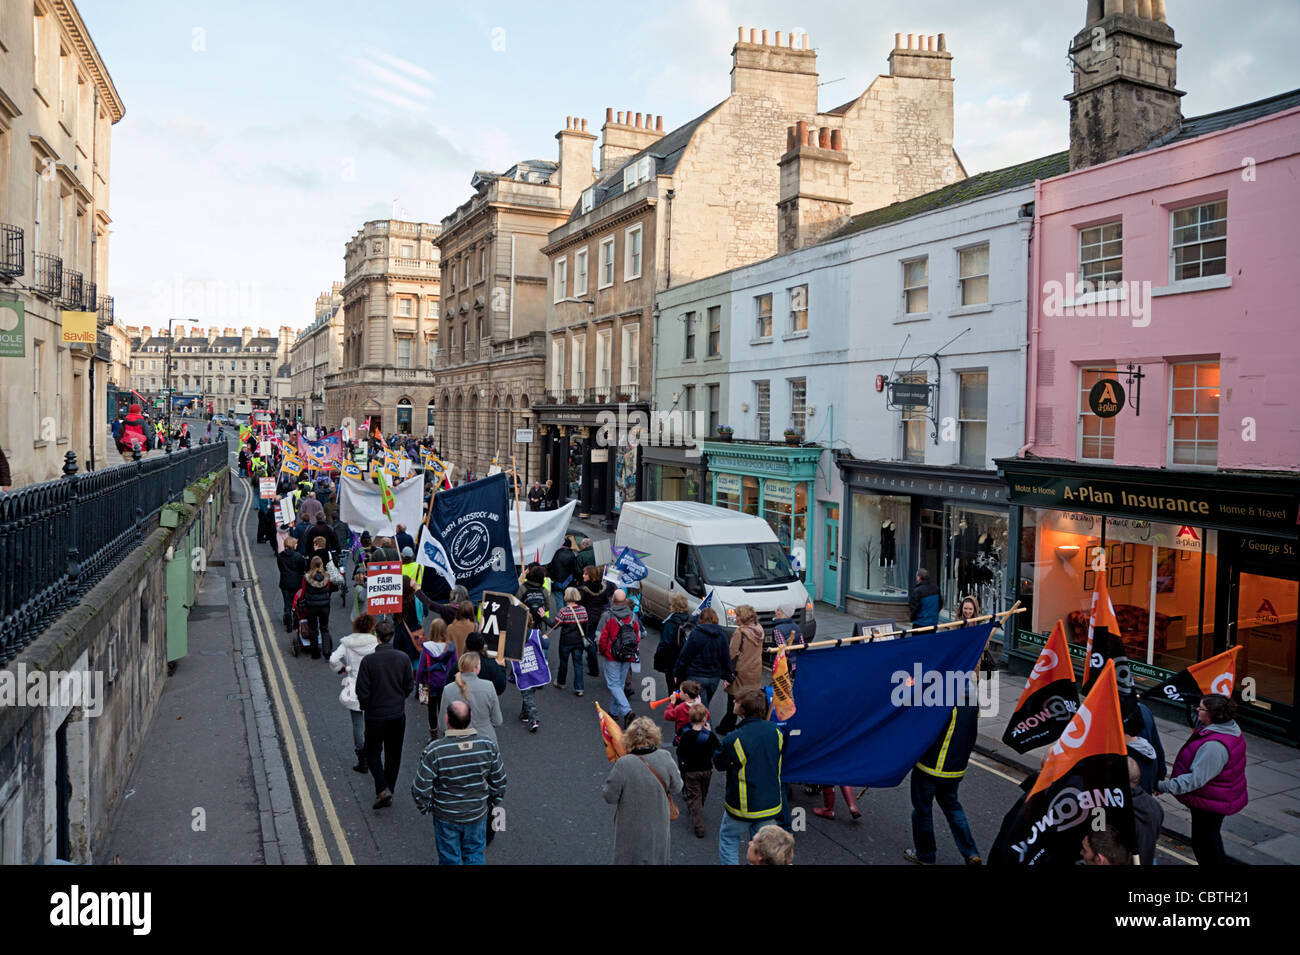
(259, 136)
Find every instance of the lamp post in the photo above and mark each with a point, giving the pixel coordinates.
(167, 383)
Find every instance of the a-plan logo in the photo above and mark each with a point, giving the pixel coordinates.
(76, 908)
(1266, 613)
(1187, 537)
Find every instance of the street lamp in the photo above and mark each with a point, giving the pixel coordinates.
(167, 384)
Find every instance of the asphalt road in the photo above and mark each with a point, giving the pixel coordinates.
(554, 811)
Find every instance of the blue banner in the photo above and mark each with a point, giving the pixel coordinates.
(472, 524)
(866, 712)
(628, 566)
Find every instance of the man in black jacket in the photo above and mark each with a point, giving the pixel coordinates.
(706, 655)
(384, 681)
(292, 566)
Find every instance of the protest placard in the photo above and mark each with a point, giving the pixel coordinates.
(383, 587)
(266, 488)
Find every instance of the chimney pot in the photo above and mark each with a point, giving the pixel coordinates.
(824, 137)
(837, 140)
(638, 121)
(789, 138)
(943, 42)
(791, 40)
(898, 41)
(780, 38)
(1144, 9)
(568, 122)
(765, 38)
(659, 124)
(620, 118)
(741, 35)
(609, 114)
(807, 41)
(584, 125)
(911, 38)
(801, 133)
(753, 35)
(929, 43)
(1158, 10)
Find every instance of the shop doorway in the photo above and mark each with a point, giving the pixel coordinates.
(931, 549)
(1262, 621)
(831, 555)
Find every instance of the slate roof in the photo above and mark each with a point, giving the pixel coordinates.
(983, 184)
(264, 343)
(667, 151)
(1226, 119)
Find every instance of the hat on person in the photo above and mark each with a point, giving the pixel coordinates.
(407, 553)
(365, 537)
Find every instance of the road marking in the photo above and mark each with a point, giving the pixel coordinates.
(262, 627)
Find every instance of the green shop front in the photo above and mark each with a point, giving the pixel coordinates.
(1195, 563)
(774, 482)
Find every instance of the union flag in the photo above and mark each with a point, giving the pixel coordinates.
(1215, 675)
(1049, 700)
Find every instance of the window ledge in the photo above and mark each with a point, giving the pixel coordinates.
(792, 335)
(907, 317)
(40, 444)
(761, 341)
(1194, 285)
(631, 278)
(970, 310)
(691, 360)
(61, 441)
(1091, 298)
(713, 358)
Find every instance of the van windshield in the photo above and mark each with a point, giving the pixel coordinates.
(734, 565)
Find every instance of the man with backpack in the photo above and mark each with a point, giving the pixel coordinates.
(619, 639)
(535, 594)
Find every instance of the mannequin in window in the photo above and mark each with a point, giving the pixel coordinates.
(887, 552)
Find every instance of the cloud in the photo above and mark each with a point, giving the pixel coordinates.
(404, 66)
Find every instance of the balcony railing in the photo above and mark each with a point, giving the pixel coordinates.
(48, 272)
(90, 300)
(106, 311)
(12, 257)
(60, 538)
(73, 289)
(607, 394)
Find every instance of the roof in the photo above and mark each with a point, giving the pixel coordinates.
(264, 342)
(974, 187)
(1226, 119)
(667, 151)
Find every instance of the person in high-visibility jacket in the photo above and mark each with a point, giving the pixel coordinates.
(750, 755)
(937, 775)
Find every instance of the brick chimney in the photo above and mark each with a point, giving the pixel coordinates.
(246, 334)
(814, 187)
(576, 172)
(1125, 70)
(782, 68)
(213, 334)
(625, 134)
(921, 57)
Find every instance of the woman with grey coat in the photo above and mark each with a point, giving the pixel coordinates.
(639, 785)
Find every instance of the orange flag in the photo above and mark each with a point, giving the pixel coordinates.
(782, 688)
(1049, 700)
(1103, 618)
(1215, 675)
(1096, 730)
(613, 735)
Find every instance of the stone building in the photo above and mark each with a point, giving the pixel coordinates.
(492, 359)
(215, 370)
(316, 354)
(390, 329)
(701, 199)
(58, 105)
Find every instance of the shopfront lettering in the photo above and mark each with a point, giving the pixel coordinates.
(1087, 494)
(1180, 505)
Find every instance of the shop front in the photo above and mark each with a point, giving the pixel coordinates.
(597, 465)
(672, 474)
(773, 482)
(1195, 563)
(953, 522)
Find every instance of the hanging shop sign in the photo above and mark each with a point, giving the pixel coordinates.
(80, 328)
(1106, 399)
(13, 341)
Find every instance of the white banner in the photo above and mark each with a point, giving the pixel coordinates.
(430, 553)
(286, 510)
(543, 532)
(361, 508)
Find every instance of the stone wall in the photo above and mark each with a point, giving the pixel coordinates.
(118, 630)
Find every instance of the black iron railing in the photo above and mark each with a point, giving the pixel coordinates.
(47, 271)
(90, 298)
(60, 538)
(106, 310)
(73, 287)
(12, 257)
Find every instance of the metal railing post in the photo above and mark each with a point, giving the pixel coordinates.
(73, 573)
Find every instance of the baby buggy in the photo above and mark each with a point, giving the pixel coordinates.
(304, 635)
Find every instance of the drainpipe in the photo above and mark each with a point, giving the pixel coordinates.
(512, 286)
(1031, 357)
(668, 239)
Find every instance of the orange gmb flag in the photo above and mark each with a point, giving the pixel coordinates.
(782, 688)
(1102, 620)
(1215, 675)
(1097, 729)
(1049, 700)
(613, 735)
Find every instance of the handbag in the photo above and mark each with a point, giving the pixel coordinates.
(673, 811)
(348, 695)
(335, 575)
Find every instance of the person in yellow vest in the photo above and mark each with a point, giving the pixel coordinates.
(409, 566)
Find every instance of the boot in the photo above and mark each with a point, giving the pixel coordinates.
(851, 802)
(360, 767)
(828, 801)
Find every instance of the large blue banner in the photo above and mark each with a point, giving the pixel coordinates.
(472, 524)
(866, 712)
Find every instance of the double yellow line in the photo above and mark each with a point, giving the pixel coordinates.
(277, 674)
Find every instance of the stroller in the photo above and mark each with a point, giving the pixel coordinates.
(304, 637)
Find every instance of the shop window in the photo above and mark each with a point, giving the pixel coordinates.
(1101, 256)
(881, 544)
(914, 423)
(785, 508)
(974, 559)
(1096, 435)
(1200, 241)
(1194, 414)
(1163, 597)
(1266, 632)
(973, 417)
(737, 492)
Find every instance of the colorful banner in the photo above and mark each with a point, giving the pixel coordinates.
(1049, 700)
(1217, 675)
(322, 451)
(783, 705)
(429, 553)
(352, 471)
(543, 532)
(472, 522)
(266, 488)
(383, 587)
(361, 508)
(80, 327)
(13, 335)
(533, 670)
(291, 466)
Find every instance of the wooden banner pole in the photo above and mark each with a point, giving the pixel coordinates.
(519, 521)
(1000, 619)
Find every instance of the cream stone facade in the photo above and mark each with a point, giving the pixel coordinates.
(492, 353)
(701, 199)
(57, 108)
(390, 329)
(317, 353)
(221, 368)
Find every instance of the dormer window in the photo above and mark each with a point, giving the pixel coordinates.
(588, 199)
(637, 173)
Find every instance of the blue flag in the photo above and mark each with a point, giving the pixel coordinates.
(471, 522)
(629, 567)
(705, 604)
(866, 712)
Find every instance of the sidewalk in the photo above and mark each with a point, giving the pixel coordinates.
(212, 747)
(1266, 832)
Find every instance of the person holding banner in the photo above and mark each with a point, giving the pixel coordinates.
(937, 775)
(1209, 776)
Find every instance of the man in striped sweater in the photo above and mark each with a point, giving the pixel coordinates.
(461, 777)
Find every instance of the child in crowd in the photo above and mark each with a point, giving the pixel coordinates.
(679, 708)
(696, 746)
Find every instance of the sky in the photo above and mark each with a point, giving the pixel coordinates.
(260, 136)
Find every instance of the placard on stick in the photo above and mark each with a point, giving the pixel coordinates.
(383, 587)
(506, 620)
(266, 488)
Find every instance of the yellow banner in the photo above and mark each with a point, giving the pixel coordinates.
(80, 327)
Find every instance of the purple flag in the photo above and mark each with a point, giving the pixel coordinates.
(533, 670)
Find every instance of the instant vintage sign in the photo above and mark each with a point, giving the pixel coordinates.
(13, 339)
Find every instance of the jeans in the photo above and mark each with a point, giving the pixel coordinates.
(925, 790)
(1207, 840)
(358, 730)
(386, 735)
(528, 707)
(731, 834)
(615, 674)
(319, 623)
(434, 708)
(288, 601)
(574, 653)
(593, 660)
(460, 843)
(709, 683)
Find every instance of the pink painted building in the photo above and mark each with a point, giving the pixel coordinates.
(1162, 454)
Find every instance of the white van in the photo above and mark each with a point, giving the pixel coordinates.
(694, 548)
